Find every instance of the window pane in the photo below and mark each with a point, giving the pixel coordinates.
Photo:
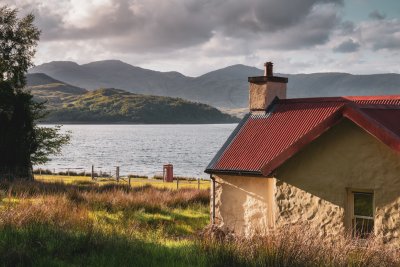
(363, 227)
(363, 204)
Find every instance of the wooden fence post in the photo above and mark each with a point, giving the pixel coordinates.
(117, 173)
(177, 182)
(129, 181)
(92, 174)
(198, 183)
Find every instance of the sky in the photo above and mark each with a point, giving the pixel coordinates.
(197, 36)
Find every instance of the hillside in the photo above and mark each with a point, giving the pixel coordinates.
(118, 106)
(53, 91)
(225, 88)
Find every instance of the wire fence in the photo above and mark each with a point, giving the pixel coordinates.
(113, 174)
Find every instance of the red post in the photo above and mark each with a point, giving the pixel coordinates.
(168, 173)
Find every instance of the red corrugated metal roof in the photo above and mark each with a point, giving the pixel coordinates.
(263, 142)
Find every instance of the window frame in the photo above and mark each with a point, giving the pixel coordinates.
(350, 216)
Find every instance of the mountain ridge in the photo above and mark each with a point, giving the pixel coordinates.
(224, 88)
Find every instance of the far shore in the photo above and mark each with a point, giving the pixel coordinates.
(128, 123)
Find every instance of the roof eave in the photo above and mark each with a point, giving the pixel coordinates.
(234, 172)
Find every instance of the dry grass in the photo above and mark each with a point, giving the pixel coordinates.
(295, 246)
(135, 182)
(110, 196)
(52, 210)
(146, 197)
(94, 225)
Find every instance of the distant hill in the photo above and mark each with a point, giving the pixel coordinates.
(41, 81)
(68, 104)
(53, 91)
(225, 88)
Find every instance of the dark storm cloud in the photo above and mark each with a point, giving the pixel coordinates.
(164, 25)
(348, 46)
(377, 15)
(315, 29)
(257, 16)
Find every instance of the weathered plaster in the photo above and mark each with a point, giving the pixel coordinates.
(312, 186)
(244, 204)
(261, 95)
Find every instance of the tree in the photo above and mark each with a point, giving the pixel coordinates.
(22, 141)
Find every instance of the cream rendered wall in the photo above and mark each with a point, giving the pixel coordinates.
(312, 185)
(244, 204)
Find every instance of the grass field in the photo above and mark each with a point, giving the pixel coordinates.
(78, 222)
(135, 182)
(99, 224)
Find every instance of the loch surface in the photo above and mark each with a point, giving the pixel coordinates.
(141, 149)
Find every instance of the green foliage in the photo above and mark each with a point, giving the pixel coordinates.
(19, 38)
(49, 142)
(17, 135)
(20, 138)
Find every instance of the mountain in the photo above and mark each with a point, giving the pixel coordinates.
(225, 88)
(116, 74)
(69, 104)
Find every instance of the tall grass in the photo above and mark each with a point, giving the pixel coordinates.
(294, 246)
(60, 224)
(113, 225)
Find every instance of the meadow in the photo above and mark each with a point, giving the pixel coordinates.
(48, 222)
(187, 183)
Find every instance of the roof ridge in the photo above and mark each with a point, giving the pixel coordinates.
(339, 99)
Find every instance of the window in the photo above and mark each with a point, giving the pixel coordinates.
(363, 214)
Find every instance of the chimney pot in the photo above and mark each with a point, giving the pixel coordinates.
(268, 71)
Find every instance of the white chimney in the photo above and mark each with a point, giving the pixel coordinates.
(264, 89)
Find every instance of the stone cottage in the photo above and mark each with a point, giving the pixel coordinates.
(333, 162)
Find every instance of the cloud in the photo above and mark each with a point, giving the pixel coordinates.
(348, 46)
(157, 26)
(315, 29)
(347, 27)
(377, 15)
(382, 34)
(194, 36)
